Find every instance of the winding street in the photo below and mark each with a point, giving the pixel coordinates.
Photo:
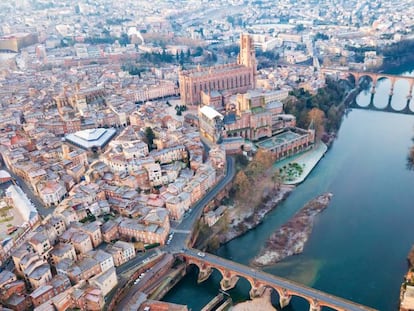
(182, 231)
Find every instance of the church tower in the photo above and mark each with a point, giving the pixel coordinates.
(247, 56)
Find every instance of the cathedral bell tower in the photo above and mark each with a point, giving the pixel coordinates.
(247, 56)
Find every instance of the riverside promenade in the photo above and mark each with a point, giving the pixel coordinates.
(307, 160)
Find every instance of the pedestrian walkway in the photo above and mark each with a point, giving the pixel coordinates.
(307, 160)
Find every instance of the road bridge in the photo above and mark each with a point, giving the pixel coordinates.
(181, 247)
(259, 281)
(375, 78)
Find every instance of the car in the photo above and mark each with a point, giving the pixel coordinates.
(201, 254)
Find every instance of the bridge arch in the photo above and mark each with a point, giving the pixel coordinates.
(371, 80)
(400, 101)
(259, 281)
(354, 78)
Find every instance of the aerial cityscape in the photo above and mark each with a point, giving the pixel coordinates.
(206, 155)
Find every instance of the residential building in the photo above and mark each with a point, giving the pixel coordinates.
(105, 281)
(62, 251)
(51, 192)
(40, 275)
(93, 229)
(80, 240)
(109, 230)
(104, 259)
(211, 123)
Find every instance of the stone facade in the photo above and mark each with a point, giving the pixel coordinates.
(236, 77)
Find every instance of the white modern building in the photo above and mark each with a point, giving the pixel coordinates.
(92, 138)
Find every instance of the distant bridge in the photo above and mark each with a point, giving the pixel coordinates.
(259, 281)
(375, 78)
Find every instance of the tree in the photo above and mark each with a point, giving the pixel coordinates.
(276, 179)
(262, 160)
(410, 159)
(317, 117)
(241, 160)
(149, 134)
(299, 27)
(265, 158)
(241, 183)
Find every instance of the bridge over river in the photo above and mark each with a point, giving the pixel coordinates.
(259, 281)
(232, 271)
(375, 78)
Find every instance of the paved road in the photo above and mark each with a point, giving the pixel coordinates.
(277, 281)
(182, 231)
(137, 260)
(189, 221)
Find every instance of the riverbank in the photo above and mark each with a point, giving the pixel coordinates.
(407, 287)
(290, 239)
(243, 221)
(263, 303)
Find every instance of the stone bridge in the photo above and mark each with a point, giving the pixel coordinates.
(259, 281)
(375, 78)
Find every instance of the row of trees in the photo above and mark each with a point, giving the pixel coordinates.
(323, 110)
(179, 57)
(107, 39)
(133, 69)
(397, 54)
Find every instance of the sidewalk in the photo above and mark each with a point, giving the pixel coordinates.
(307, 160)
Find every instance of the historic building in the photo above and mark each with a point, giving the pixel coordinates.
(235, 77)
(253, 115)
(211, 123)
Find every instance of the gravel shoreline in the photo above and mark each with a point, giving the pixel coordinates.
(245, 221)
(290, 239)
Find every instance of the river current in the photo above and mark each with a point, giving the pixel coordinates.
(359, 244)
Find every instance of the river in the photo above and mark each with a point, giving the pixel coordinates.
(359, 244)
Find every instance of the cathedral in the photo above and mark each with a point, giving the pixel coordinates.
(229, 78)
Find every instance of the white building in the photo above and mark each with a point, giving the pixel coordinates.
(128, 250)
(92, 138)
(51, 192)
(23, 205)
(105, 281)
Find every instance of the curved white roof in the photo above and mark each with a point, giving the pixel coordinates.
(91, 138)
(4, 174)
(210, 113)
(91, 134)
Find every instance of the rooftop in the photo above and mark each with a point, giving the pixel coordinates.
(210, 113)
(91, 138)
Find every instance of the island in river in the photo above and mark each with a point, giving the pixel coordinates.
(290, 239)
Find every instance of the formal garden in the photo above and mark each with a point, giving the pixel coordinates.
(291, 171)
